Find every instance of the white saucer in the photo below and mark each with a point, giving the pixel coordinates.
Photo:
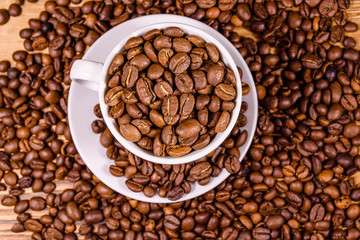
(82, 101)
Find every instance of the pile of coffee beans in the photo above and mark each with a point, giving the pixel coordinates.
(171, 181)
(299, 180)
(14, 10)
(170, 92)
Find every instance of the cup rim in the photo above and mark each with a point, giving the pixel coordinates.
(216, 141)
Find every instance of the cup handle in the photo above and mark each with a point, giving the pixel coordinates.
(86, 73)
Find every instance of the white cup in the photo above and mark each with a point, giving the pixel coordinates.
(94, 75)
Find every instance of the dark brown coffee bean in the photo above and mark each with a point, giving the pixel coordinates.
(261, 233)
(93, 216)
(133, 186)
(33, 225)
(311, 61)
(37, 203)
(171, 222)
(206, 4)
(175, 193)
(232, 164)
(4, 16)
(201, 170)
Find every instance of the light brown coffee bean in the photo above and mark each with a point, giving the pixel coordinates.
(177, 151)
(170, 106)
(113, 96)
(164, 56)
(163, 89)
(223, 122)
(155, 71)
(188, 128)
(187, 103)
(168, 135)
(212, 52)
(144, 89)
(179, 63)
(174, 32)
(181, 45)
(130, 132)
(133, 42)
(129, 76)
(215, 75)
(184, 82)
(157, 119)
(225, 92)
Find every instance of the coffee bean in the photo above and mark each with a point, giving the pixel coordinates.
(133, 186)
(37, 203)
(4, 16)
(179, 63)
(201, 171)
(175, 194)
(223, 122)
(261, 233)
(188, 128)
(129, 76)
(178, 151)
(93, 216)
(130, 132)
(225, 92)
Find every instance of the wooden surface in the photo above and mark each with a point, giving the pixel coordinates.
(10, 42)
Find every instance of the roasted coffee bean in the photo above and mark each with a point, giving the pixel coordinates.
(184, 83)
(215, 75)
(223, 122)
(179, 63)
(225, 92)
(201, 170)
(130, 132)
(177, 150)
(129, 76)
(93, 216)
(188, 128)
(4, 16)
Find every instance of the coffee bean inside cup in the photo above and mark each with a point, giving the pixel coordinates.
(166, 90)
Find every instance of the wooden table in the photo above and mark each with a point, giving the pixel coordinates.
(10, 42)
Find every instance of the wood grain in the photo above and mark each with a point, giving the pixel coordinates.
(10, 42)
